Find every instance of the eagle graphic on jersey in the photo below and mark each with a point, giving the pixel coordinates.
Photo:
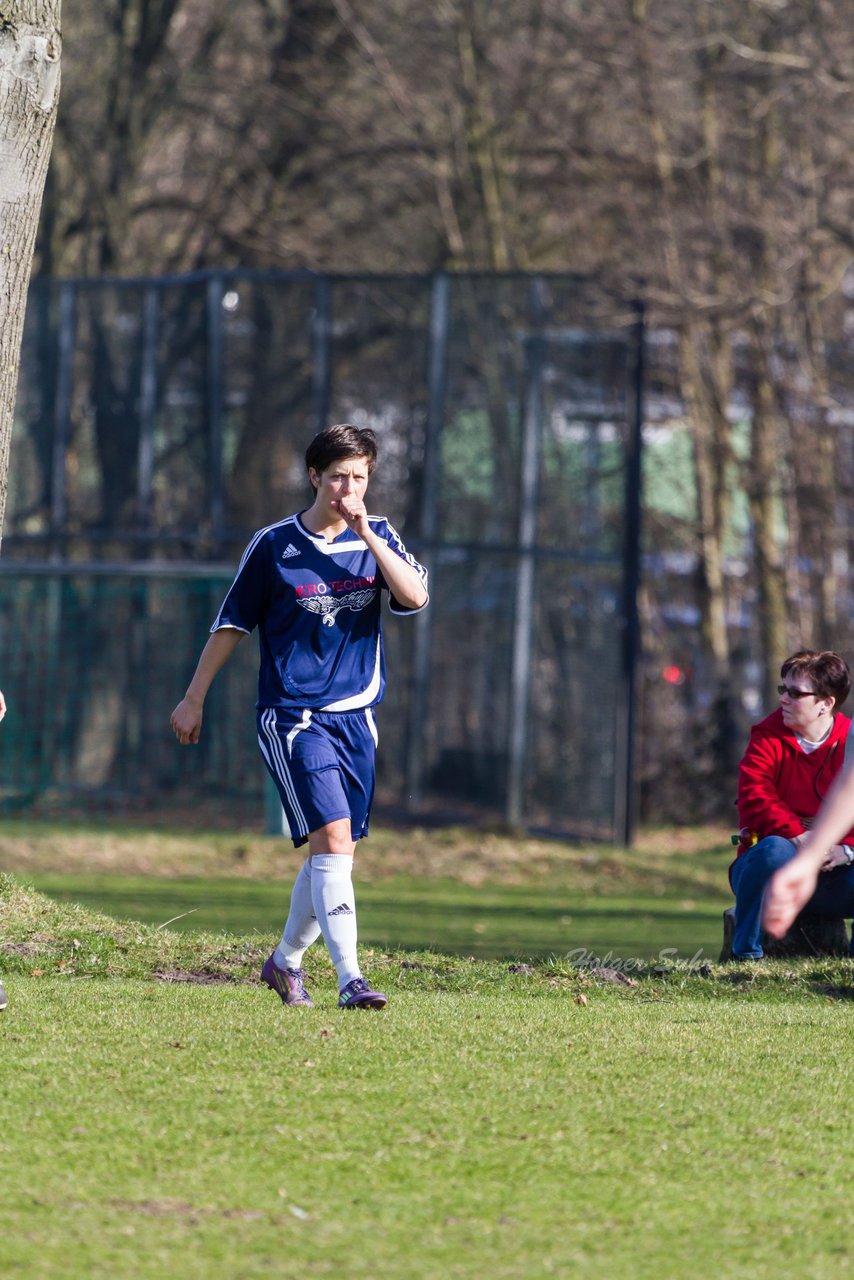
(329, 606)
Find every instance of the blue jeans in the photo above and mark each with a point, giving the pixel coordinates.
(834, 895)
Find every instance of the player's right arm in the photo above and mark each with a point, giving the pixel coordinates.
(240, 612)
(186, 719)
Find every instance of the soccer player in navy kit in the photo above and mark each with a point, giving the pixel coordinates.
(312, 585)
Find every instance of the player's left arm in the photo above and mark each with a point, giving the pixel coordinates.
(402, 579)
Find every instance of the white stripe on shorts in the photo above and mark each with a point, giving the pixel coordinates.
(271, 749)
(303, 724)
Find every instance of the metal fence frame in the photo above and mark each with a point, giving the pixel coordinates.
(21, 554)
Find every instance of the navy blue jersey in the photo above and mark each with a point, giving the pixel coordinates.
(316, 605)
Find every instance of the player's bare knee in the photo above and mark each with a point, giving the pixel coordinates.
(335, 837)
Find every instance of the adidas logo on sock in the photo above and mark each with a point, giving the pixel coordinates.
(289, 552)
(343, 910)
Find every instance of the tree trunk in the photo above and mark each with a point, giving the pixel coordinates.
(30, 44)
(709, 432)
(765, 510)
(816, 481)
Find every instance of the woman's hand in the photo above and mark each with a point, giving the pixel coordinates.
(836, 856)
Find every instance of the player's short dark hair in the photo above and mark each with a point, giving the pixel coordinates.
(341, 441)
(827, 670)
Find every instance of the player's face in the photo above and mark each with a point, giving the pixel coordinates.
(343, 479)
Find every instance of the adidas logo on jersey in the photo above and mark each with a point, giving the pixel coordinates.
(289, 552)
(343, 910)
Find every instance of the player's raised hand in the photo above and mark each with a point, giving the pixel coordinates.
(354, 511)
(186, 722)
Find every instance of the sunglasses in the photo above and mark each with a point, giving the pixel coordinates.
(797, 693)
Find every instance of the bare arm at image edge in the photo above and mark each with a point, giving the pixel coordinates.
(794, 884)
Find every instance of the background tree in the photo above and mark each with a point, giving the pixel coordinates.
(30, 45)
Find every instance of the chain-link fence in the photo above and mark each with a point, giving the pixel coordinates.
(160, 422)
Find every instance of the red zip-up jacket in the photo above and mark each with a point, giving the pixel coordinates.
(780, 786)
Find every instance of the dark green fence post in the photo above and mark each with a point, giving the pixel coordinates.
(321, 375)
(523, 614)
(431, 479)
(624, 755)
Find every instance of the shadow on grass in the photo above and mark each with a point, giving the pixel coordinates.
(835, 990)
(487, 923)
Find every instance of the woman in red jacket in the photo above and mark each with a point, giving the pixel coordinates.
(791, 760)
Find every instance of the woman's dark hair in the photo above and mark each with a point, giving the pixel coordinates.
(828, 672)
(341, 441)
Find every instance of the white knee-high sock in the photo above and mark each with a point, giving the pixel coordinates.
(301, 927)
(335, 908)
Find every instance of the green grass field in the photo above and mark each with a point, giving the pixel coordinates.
(163, 1115)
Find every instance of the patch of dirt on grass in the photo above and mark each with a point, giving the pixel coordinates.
(196, 976)
(21, 948)
(180, 1209)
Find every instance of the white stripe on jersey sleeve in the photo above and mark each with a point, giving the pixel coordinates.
(396, 543)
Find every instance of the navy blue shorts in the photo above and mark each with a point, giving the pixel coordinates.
(323, 764)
